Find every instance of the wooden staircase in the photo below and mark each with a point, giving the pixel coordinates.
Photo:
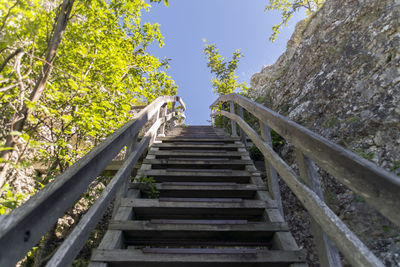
(213, 209)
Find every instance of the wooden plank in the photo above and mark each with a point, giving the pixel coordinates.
(180, 100)
(199, 170)
(214, 161)
(193, 163)
(193, 233)
(97, 264)
(132, 257)
(233, 123)
(347, 242)
(206, 222)
(196, 241)
(168, 139)
(188, 199)
(197, 143)
(68, 250)
(247, 191)
(124, 187)
(147, 209)
(196, 184)
(196, 151)
(163, 114)
(174, 114)
(209, 186)
(113, 238)
(200, 251)
(201, 173)
(243, 137)
(377, 186)
(201, 145)
(25, 225)
(327, 252)
(273, 184)
(198, 225)
(164, 176)
(177, 153)
(155, 203)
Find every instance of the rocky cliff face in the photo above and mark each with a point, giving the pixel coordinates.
(340, 77)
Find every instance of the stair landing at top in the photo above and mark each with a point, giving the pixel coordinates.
(197, 132)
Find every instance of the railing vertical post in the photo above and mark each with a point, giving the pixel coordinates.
(163, 113)
(173, 115)
(273, 184)
(327, 252)
(124, 187)
(243, 136)
(233, 123)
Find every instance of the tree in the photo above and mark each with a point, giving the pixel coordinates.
(98, 70)
(288, 8)
(224, 80)
(21, 110)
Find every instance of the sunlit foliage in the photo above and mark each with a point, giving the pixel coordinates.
(100, 71)
(287, 8)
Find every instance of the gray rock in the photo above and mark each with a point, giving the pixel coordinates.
(340, 77)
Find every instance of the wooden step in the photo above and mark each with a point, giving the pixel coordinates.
(218, 190)
(199, 199)
(222, 160)
(199, 258)
(198, 176)
(193, 163)
(199, 250)
(200, 150)
(199, 170)
(196, 143)
(197, 183)
(245, 234)
(174, 146)
(169, 139)
(199, 222)
(209, 211)
(199, 154)
(146, 209)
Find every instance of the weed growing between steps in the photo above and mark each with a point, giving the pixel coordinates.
(148, 186)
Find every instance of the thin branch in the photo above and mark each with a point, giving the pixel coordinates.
(19, 79)
(91, 64)
(62, 71)
(8, 87)
(16, 52)
(8, 14)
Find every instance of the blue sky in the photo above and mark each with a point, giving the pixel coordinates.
(230, 24)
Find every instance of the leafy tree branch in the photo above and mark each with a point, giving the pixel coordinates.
(287, 8)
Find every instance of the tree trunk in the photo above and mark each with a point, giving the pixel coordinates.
(61, 24)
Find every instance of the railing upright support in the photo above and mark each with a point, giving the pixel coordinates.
(162, 114)
(173, 115)
(233, 123)
(273, 184)
(327, 252)
(124, 187)
(243, 136)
